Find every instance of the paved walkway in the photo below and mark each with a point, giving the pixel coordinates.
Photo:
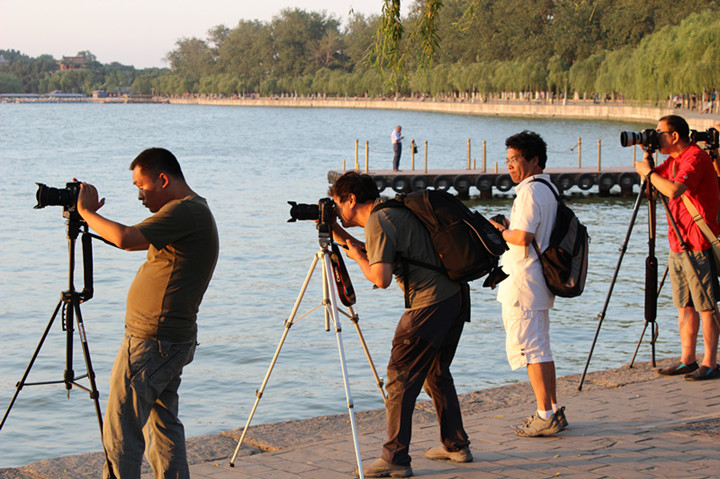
(663, 427)
(626, 423)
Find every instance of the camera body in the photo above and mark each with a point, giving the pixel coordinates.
(647, 139)
(323, 212)
(66, 197)
(500, 218)
(711, 137)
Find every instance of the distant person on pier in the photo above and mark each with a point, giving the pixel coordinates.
(397, 138)
(525, 297)
(181, 240)
(688, 171)
(428, 332)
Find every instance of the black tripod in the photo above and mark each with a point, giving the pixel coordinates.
(70, 301)
(651, 271)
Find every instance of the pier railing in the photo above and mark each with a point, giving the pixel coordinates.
(485, 178)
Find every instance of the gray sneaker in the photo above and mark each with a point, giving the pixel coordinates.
(441, 454)
(538, 427)
(560, 414)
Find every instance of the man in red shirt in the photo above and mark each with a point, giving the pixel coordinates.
(689, 171)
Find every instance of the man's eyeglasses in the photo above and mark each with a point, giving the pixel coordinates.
(660, 132)
(512, 161)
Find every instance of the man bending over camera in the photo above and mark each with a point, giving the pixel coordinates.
(428, 332)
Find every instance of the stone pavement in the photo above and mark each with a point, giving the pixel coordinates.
(625, 423)
(659, 428)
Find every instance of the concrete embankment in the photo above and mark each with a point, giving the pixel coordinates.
(626, 422)
(573, 110)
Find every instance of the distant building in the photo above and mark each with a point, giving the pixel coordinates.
(73, 63)
(3, 62)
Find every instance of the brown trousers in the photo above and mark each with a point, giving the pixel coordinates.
(422, 351)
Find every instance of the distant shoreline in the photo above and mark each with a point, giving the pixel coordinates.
(575, 109)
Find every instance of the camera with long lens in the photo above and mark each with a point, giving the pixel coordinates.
(647, 139)
(66, 197)
(711, 137)
(323, 211)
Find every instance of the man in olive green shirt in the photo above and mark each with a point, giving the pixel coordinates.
(160, 322)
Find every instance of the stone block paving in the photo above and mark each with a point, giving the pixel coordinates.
(662, 428)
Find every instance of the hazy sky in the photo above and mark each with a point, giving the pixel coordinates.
(139, 32)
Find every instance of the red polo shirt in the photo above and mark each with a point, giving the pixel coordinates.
(694, 169)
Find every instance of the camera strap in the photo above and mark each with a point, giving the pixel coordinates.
(342, 278)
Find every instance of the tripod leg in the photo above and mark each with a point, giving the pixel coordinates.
(653, 329)
(94, 394)
(335, 317)
(623, 249)
(288, 324)
(22, 381)
(378, 380)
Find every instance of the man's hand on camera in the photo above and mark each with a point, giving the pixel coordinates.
(355, 250)
(643, 166)
(499, 222)
(88, 199)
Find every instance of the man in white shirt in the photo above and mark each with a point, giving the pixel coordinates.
(525, 297)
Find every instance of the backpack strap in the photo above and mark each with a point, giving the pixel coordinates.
(549, 185)
(557, 198)
(699, 221)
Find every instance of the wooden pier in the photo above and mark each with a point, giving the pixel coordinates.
(470, 181)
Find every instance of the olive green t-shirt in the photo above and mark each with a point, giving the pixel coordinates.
(165, 295)
(393, 231)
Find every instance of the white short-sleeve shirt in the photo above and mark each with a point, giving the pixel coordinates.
(395, 136)
(533, 211)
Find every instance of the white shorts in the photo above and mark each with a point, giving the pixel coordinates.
(527, 336)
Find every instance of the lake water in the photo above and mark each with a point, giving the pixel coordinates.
(248, 162)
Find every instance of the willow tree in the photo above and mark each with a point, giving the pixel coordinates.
(682, 59)
(390, 50)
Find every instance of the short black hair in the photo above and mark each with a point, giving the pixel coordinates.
(158, 160)
(358, 184)
(530, 144)
(678, 125)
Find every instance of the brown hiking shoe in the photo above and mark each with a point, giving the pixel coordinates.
(441, 454)
(382, 468)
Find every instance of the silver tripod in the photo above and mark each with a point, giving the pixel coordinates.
(332, 264)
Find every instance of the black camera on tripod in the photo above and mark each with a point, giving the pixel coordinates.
(66, 197)
(647, 139)
(323, 211)
(711, 137)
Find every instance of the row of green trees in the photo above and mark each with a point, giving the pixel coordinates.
(641, 49)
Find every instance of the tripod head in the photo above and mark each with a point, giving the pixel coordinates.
(345, 289)
(325, 236)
